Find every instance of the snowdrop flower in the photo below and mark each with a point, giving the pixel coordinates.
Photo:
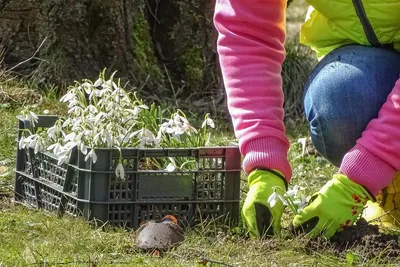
(96, 138)
(109, 118)
(92, 109)
(110, 105)
(102, 92)
(87, 87)
(70, 145)
(172, 127)
(66, 122)
(179, 119)
(30, 141)
(143, 106)
(293, 191)
(62, 157)
(301, 203)
(187, 128)
(99, 117)
(78, 111)
(57, 147)
(98, 82)
(21, 143)
(209, 122)
(39, 144)
(108, 138)
(303, 142)
(21, 117)
(54, 131)
(33, 117)
(72, 104)
(177, 130)
(157, 139)
(166, 127)
(135, 111)
(83, 148)
(28, 116)
(51, 132)
(68, 97)
(170, 167)
(146, 137)
(46, 111)
(119, 171)
(274, 197)
(92, 154)
(70, 137)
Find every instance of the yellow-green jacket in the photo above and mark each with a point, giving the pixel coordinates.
(334, 23)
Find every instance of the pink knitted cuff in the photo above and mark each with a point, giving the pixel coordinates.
(268, 152)
(363, 167)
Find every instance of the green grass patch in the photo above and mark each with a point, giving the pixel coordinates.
(32, 237)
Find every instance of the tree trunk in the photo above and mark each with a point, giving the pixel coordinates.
(162, 46)
(82, 37)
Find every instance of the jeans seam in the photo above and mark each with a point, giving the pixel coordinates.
(319, 123)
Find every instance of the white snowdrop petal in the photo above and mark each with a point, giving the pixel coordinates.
(170, 167)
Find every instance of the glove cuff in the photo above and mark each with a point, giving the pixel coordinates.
(277, 174)
(271, 175)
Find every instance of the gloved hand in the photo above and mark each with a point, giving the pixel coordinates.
(337, 205)
(262, 219)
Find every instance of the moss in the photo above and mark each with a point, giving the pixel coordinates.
(144, 49)
(193, 64)
(192, 35)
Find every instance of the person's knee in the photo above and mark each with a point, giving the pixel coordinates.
(330, 130)
(335, 110)
(344, 93)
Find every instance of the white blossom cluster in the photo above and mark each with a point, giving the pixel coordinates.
(293, 198)
(103, 115)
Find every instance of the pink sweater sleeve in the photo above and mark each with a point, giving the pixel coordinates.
(374, 160)
(251, 52)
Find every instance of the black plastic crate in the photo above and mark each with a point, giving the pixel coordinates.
(211, 190)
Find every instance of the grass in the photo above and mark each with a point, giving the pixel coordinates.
(35, 238)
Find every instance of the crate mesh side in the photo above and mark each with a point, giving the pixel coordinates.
(210, 186)
(120, 214)
(71, 207)
(73, 186)
(27, 168)
(212, 163)
(206, 211)
(28, 193)
(51, 201)
(121, 189)
(50, 171)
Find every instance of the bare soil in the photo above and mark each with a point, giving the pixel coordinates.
(362, 238)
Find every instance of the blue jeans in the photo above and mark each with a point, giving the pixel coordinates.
(344, 92)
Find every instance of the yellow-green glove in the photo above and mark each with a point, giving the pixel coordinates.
(338, 204)
(261, 219)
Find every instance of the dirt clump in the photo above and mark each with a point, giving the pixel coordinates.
(363, 238)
